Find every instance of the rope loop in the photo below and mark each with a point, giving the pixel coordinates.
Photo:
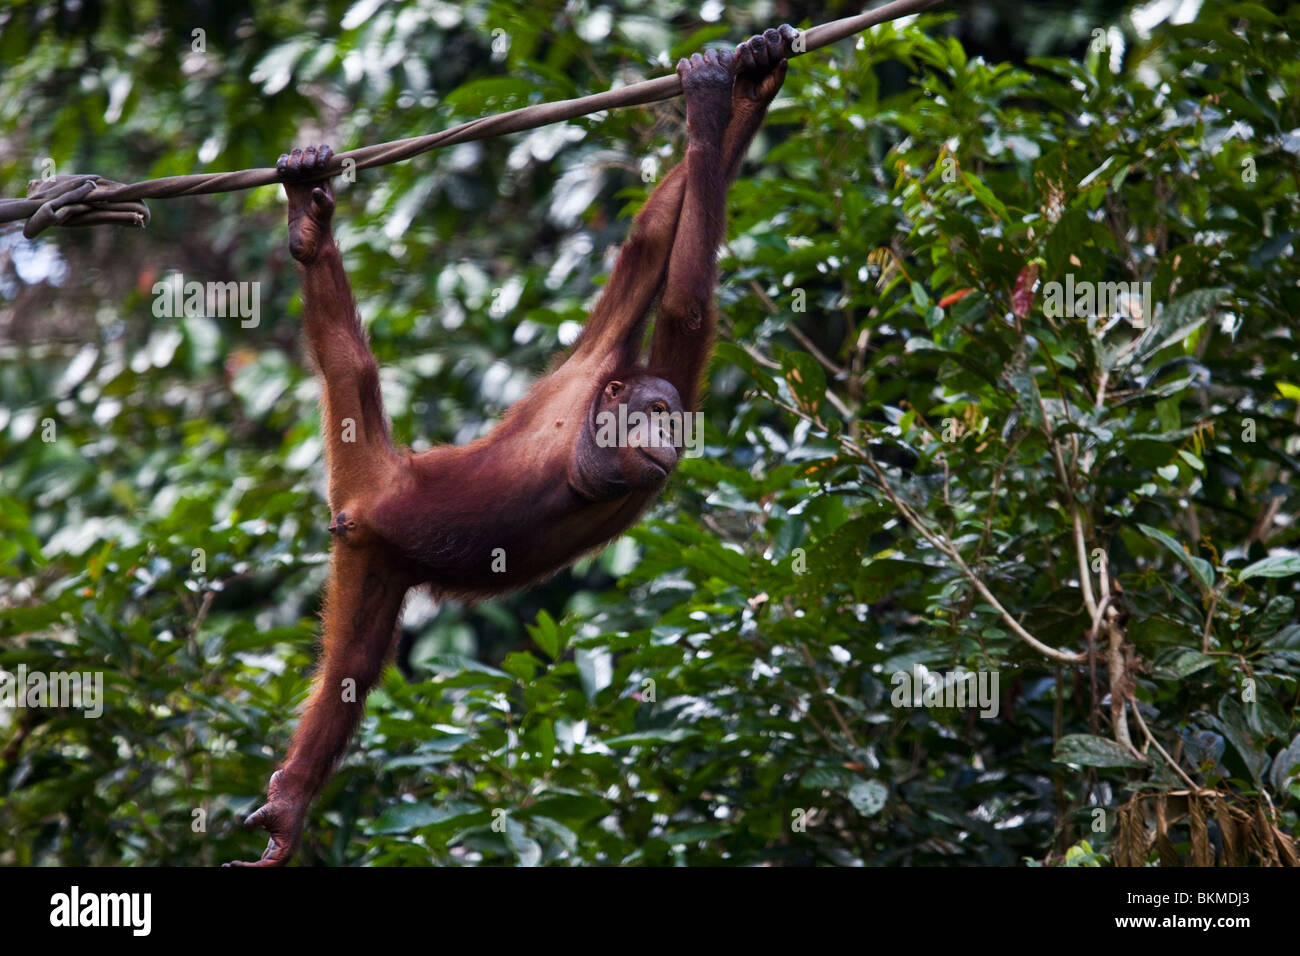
(69, 200)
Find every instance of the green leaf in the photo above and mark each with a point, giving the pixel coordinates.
(806, 379)
(1201, 569)
(1274, 566)
(823, 778)
(1278, 612)
(492, 94)
(405, 817)
(543, 742)
(1089, 751)
(459, 664)
(672, 736)
(1175, 663)
(547, 635)
(985, 195)
(1236, 728)
(522, 665)
(526, 850)
(1285, 766)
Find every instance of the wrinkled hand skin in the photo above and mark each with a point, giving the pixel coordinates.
(761, 63)
(707, 81)
(281, 816)
(311, 200)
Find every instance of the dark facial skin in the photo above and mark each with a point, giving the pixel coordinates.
(613, 459)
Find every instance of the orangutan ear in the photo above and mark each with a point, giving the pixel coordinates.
(613, 388)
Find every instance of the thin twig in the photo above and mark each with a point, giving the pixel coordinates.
(940, 543)
(1164, 753)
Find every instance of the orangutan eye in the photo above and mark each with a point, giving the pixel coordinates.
(659, 408)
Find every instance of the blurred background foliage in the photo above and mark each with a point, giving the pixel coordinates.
(716, 687)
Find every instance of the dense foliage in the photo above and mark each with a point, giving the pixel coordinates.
(913, 461)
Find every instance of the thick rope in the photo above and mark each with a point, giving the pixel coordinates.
(84, 199)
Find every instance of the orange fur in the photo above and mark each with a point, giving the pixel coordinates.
(446, 517)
